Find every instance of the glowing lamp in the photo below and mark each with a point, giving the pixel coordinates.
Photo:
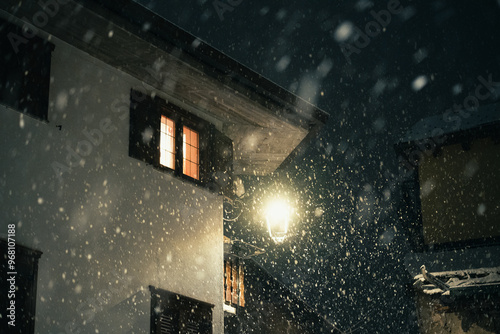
(277, 218)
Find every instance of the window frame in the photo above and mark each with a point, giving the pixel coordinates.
(172, 153)
(188, 147)
(182, 118)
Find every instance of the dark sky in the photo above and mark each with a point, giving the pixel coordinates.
(348, 261)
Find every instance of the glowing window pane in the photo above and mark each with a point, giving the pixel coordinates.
(167, 142)
(191, 153)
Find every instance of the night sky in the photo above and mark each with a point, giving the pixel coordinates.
(346, 249)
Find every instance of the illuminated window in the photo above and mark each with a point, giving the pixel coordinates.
(174, 141)
(191, 153)
(190, 148)
(167, 142)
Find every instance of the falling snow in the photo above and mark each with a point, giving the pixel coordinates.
(403, 172)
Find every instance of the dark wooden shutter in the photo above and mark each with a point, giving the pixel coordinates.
(36, 83)
(192, 327)
(195, 317)
(26, 266)
(221, 163)
(173, 313)
(144, 134)
(24, 71)
(167, 324)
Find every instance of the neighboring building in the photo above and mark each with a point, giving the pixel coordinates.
(452, 194)
(119, 134)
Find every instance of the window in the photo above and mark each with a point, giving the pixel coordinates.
(452, 193)
(190, 148)
(26, 268)
(234, 288)
(459, 193)
(175, 141)
(191, 152)
(24, 71)
(167, 143)
(173, 313)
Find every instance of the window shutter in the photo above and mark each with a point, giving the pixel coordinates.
(144, 136)
(195, 318)
(167, 324)
(36, 85)
(221, 163)
(26, 286)
(176, 314)
(234, 288)
(228, 284)
(241, 289)
(24, 72)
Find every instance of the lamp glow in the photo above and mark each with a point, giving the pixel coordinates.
(277, 218)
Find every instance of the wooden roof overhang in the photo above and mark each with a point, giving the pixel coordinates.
(267, 124)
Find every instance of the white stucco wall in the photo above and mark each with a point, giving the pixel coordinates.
(110, 225)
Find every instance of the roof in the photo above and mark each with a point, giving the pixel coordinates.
(453, 122)
(461, 282)
(267, 124)
(453, 260)
(458, 269)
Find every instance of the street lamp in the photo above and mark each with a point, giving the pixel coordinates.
(277, 217)
(277, 213)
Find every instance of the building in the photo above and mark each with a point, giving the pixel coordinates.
(120, 135)
(452, 190)
(255, 301)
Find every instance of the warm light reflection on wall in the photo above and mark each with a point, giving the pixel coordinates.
(191, 153)
(167, 142)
